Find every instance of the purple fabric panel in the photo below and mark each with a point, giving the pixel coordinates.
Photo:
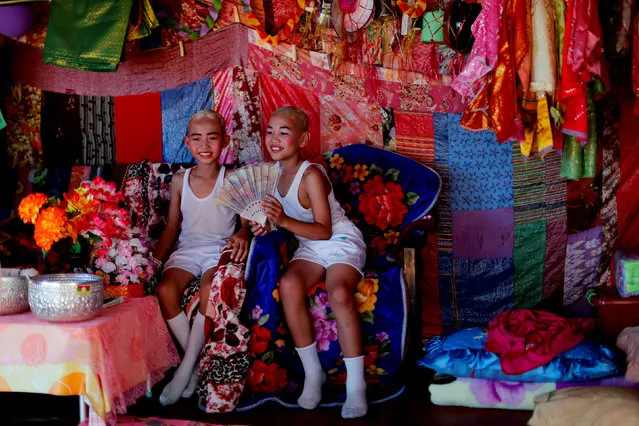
(583, 255)
(482, 234)
(141, 72)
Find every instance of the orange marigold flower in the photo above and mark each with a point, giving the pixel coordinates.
(50, 227)
(30, 207)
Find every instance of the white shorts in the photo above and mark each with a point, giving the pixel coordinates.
(346, 246)
(196, 259)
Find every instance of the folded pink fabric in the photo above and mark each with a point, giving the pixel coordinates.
(526, 339)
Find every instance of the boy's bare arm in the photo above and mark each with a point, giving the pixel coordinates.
(172, 229)
(314, 184)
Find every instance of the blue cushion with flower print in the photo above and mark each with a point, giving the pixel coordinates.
(381, 192)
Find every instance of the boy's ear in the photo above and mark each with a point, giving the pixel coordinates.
(227, 140)
(187, 141)
(304, 138)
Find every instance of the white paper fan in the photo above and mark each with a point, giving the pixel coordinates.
(244, 189)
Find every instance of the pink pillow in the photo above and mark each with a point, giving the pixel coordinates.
(628, 341)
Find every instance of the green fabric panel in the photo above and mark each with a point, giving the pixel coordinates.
(528, 257)
(3, 123)
(86, 34)
(590, 150)
(572, 159)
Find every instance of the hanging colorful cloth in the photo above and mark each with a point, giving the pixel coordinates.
(543, 48)
(512, 60)
(572, 92)
(624, 33)
(483, 55)
(414, 10)
(189, 19)
(143, 20)
(101, 26)
(284, 32)
(539, 138)
(579, 159)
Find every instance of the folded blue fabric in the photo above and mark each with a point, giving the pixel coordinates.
(462, 354)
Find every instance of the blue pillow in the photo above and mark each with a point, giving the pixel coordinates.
(462, 354)
(422, 182)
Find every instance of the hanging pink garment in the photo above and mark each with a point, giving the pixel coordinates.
(483, 56)
(526, 339)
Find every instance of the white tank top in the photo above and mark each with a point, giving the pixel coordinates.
(294, 209)
(203, 221)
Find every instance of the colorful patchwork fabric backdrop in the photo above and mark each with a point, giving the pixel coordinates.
(509, 233)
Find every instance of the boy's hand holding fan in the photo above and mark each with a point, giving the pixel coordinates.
(245, 188)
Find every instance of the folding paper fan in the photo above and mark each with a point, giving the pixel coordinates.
(244, 189)
(351, 15)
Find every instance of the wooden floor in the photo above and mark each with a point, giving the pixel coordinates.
(413, 407)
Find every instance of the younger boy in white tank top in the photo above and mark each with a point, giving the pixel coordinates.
(331, 247)
(204, 229)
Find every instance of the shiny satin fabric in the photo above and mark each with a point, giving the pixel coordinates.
(100, 25)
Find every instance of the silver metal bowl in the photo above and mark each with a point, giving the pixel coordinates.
(66, 297)
(13, 294)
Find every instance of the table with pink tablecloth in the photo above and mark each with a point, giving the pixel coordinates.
(110, 360)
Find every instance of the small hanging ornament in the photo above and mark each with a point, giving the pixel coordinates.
(413, 9)
(459, 17)
(284, 33)
(433, 26)
(350, 22)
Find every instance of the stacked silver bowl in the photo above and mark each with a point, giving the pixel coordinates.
(14, 286)
(66, 297)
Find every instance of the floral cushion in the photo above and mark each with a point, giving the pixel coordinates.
(276, 373)
(381, 192)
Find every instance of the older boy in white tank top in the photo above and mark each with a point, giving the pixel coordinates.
(204, 230)
(331, 247)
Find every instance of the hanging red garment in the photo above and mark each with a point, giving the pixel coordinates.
(526, 339)
(496, 105)
(582, 58)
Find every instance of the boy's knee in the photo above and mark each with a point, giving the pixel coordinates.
(340, 296)
(166, 289)
(290, 285)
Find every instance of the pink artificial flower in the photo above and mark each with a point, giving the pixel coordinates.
(381, 336)
(257, 312)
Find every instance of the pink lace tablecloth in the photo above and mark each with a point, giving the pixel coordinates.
(107, 359)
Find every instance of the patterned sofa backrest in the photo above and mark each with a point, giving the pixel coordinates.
(147, 189)
(381, 192)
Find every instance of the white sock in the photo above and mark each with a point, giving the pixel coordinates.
(355, 405)
(180, 328)
(190, 388)
(173, 391)
(314, 377)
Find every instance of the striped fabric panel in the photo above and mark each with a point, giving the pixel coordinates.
(555, 188)
(528, 187)
(556, 227)
(415, 136)
(98, 135)
(445, 221)
(447, 285)
(610, 184)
